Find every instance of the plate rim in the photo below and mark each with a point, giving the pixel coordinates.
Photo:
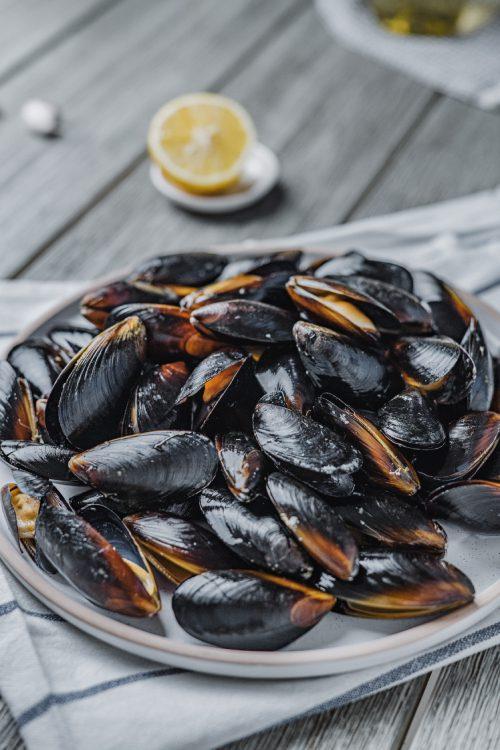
(211, 659)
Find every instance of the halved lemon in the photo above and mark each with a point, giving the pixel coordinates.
(200, 141)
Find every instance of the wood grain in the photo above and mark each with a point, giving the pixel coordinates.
(108, 80)
(332, 138)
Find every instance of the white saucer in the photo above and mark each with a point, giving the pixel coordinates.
(260, 174)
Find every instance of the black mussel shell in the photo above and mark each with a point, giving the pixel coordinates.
(282, 370)
(71, 339)
(391, 521)
(31, 484)
(340, 307)
(403, 584)
(150, 468)
(169, 332)
(319, 456)
(495, 404)
(211, 375)
(88, 400)
(255, 536)
(242, 609)
(17, 416)
(178, 548)
(242, 464)
(48, 461)
(263, 265)
(475, 504)
(413, 315)
(21, 511)
(97, 304)
(353, 263)
(471, 440)
(450, 314)
(315, 524)
(39, 362)
(437, 366)
(491, 468)
(151, 404)
(360, 375)
(383, 463)
(189, 268)
(481, 393)
(102, 561)
(410, 420)
(241, 320)
(270, 289)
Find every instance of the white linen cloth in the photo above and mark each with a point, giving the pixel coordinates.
(467, 67)
(67, 689)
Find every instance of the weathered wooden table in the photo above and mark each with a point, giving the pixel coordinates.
(354, 139)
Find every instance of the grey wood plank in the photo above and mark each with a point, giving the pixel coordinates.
(332, 138)
(109, 79)
(30, 27)
(371, 724)
(455, 151)
(463, 708)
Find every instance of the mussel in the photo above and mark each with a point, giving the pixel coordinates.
(70, 339)
(97, 304)
(96, 553)
(188, 268)
(314, 454)
(243, 321)
(89, 398)
(150, 468)
(475, 504)
(282, 370)
(263, 265)
(315, 524)
(243, 609)
(410, 420)
(39, 362)
(402, 584)
(437, 366)
(450, 314)
(151, 404)
(242, 464)
(480, 394)
(254, 534)
(47, 461)
(354, 263)
(383, 463)
(17, 416)
(270, 289)
(360, 375)
(178, 548)
(21, 511)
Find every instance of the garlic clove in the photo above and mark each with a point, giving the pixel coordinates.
(41, 117)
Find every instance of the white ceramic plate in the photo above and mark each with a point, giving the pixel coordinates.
(337, 644)
(260, 174)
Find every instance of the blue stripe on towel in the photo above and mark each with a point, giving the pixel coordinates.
(11, 606)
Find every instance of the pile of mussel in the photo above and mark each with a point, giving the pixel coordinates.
(274, 437)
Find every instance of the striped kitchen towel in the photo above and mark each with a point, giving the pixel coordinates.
(68, 690)
(466, 67)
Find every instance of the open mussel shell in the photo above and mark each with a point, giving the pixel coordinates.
(437, 366)
(383, 463)
(391, 521)
(342, 308)
(284, 261)
(188, 268)
(97, 304)
(242, 609)
(256, 536)
(282, 370)
(410, 420)
(21, 511)
(474, 504)
(150, 468)
(403, 584)
(471, 440)
(151, 404)
(103, 562)
(211, 375)
(353, 263)
(450, 314)
(314, 454)
(315, 524)
(17, 416)
(360, 375)
(242, 321)
(480, 396)
(413, 315)
(178, 548)
(243, 465)
(270, 289)
(89, 398)
(47, 461)
(170, 335)
(39, 362)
